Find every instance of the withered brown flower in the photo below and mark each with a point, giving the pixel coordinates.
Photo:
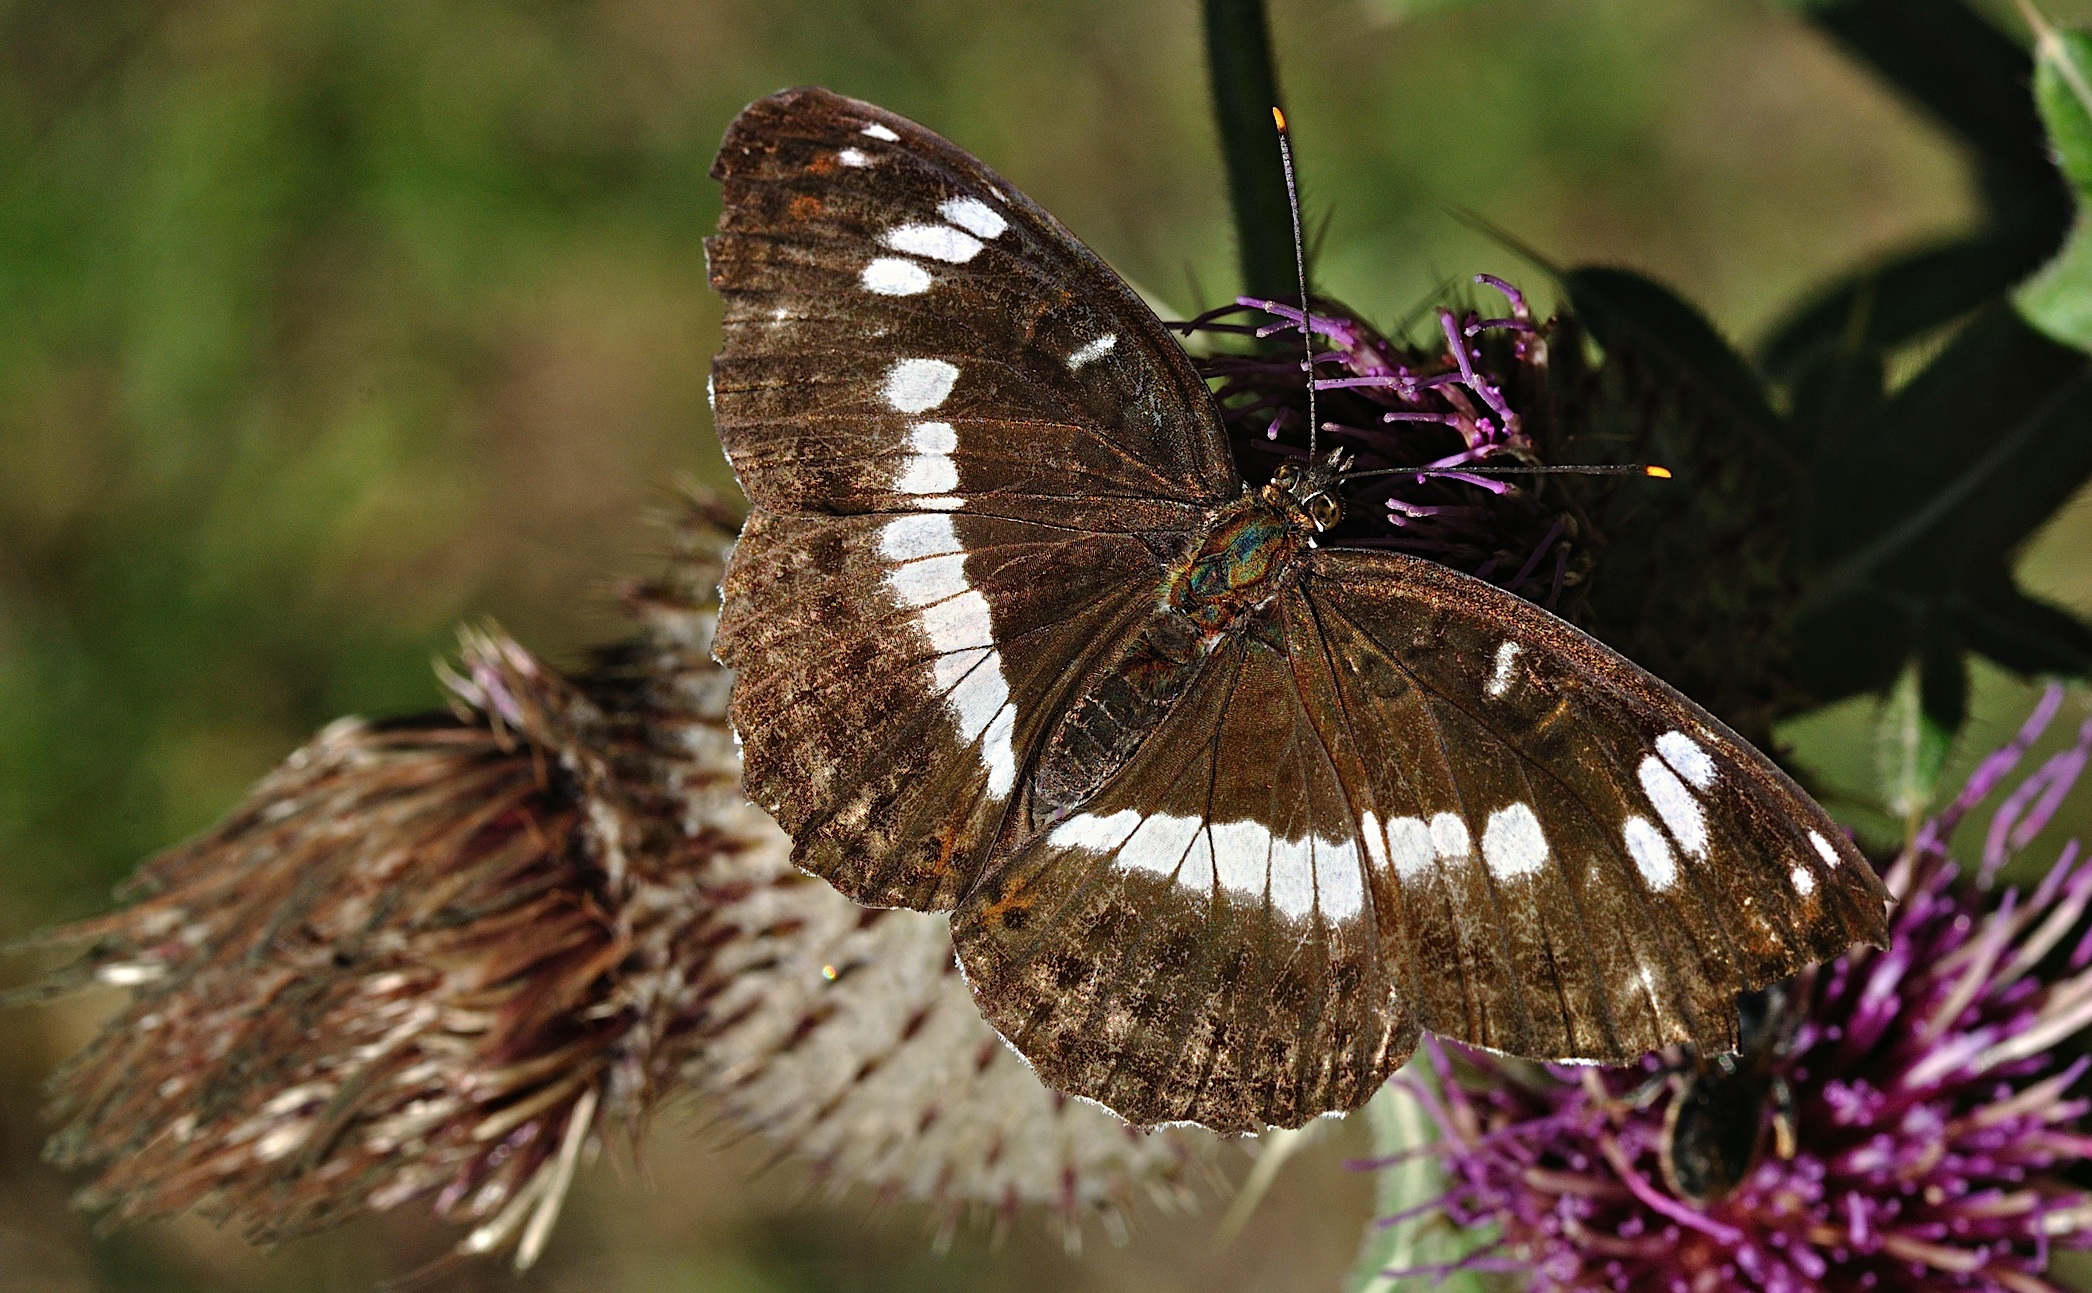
(439, 961)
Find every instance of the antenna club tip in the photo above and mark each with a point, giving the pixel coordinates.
(1278, 116)
(1659, 473)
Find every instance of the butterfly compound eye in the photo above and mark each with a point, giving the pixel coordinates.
(1324, 512)
(1287, 475)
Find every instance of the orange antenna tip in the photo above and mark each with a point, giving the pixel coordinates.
(1660, 473)
(1278, 117)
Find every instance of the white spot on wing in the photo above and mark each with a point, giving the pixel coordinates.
(1651, 852)
(1513, 843)
(922, 583)
(1500, 681)
(951, 667)
(1160, 843)
(852, 157)
(1681, 813)
(1293, 876)
(1001, 749)
(1092, 351)
(1241, 856)
(1094, 833)
(1376, 840)
(974, 216)
(911, 538)
(958, 623)
(937, 241)
(1197, 872)
(892, 276)
(1804, 880)
(932, 437)
(930, 573)
(1409, 840)
(1449, 836)
(917, 385)
(877, 131)
(1823, 848)
(976, 700)
(931, 471)
(1340, 887)
(927, 473)
(1687, 759)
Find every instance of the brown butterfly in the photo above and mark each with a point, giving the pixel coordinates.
(1223, 816)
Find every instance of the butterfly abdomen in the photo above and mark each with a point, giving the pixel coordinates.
(1242, 561)
(1100, 732)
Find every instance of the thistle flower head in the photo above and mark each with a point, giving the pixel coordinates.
(1479, 397)
(1929, 1115)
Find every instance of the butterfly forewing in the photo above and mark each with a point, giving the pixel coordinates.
(1599, 865)
(1219, 868)
(906, 331)
(1201, 941)
(955, 425)
(894, 672)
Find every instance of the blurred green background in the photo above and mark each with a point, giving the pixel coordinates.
(326, 324)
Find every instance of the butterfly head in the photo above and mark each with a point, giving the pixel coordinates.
(1307, 491)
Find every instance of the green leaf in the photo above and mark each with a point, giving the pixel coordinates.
(1910, 750)
(1943, 56)
(1888, 305)
(2023, 634)
(1398, 1122)
(1835, 392)
(1245, 90)
(1624, 311)
(1965, 461)
(1943, 673)
(1853, 643)
(2058, 298)
(2063, 93)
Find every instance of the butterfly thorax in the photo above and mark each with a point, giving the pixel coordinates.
(1240, 564)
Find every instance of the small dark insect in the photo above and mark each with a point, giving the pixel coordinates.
(1716, 1123)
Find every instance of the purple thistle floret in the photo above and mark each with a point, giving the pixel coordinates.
(1481, 399)
(1932, 1118)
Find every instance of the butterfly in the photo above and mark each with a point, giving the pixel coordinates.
(1223, 815)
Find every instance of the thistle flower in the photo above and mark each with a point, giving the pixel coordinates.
(1484, 400)
(1930, 1116)
(439, 961)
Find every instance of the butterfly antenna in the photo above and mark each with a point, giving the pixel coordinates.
(1649, 469)
(1307, 330)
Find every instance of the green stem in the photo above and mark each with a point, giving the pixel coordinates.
(1245, 90)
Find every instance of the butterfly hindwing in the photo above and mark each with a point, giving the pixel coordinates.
(1597, 865)
(1202, 941)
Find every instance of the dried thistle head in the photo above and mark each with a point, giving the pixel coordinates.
(426, 960)
(438, 961)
